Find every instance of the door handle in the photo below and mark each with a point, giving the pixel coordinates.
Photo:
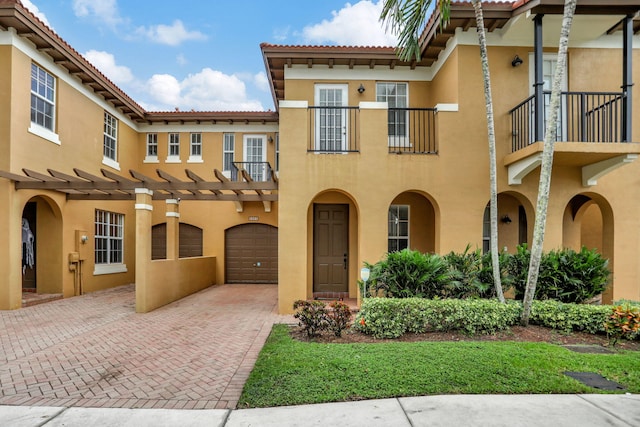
(345, 261)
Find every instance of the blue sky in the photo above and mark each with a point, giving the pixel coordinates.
(202, 54)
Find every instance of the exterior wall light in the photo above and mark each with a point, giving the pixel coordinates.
(361, 89)
(505, 219)
(517, 61)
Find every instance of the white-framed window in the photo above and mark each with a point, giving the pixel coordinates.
(255, 156)
(396, 95)
(331, 118)
(486, 230)
(228, 153)
(152, 148)
(109, 242)
(195, 148)
(43, 95)
(110, 145)
(398, 227)
(277, 152)
(174, 148)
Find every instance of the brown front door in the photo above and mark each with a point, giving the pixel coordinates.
(330, 248)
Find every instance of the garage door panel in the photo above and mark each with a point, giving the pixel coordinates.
(251, 254)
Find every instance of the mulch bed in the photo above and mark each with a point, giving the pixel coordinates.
(530, 333)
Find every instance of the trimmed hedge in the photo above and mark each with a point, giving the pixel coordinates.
(394, 317)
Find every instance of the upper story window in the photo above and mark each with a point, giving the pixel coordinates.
(43, 93)
(174, 147)
(396, 95)
(109, 242)
(195, 147)
(398, 227)
(152, 148)
(228, 149)
(110, 145)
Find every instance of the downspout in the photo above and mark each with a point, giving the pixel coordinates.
(538, 86)
(627, 76)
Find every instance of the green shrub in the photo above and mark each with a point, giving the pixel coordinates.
(472, 274)
(622, 321)
(568, 317)
(312, 316)
(392, 318)
(565, 275)
(408, 273)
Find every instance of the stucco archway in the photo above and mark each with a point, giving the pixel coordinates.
(42, 260)
(412, 222)
(515, 222)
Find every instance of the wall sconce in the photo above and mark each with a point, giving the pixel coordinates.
(517, 61)
(270, 139)
(505, 219)
(84, 239)
(361, 89)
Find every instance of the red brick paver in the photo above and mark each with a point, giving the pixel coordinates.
(95, 351)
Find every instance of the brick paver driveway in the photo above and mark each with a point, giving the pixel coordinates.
(95, 351)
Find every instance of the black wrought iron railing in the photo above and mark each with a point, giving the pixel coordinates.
(583, 117)
(412, 130)
(258, 171)
(334, 129)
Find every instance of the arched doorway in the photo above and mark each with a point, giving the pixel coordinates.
(41, 246)
(513, 222)
(412, 223)
(251, 254)
(588, 222)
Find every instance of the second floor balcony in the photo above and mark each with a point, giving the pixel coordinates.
(582, 117)
(337, 130)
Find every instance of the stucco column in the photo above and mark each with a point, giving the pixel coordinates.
(173, 228)
(144, 209)
(10, 248)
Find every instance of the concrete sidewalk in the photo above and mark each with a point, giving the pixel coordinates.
(451, 410)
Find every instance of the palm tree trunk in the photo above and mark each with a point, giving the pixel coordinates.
(547, 163)
(493, 204)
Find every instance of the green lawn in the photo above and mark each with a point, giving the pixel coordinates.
(290, 372)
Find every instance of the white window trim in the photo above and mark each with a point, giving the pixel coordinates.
(395, 141)
(227, 172)
(408, 239)
(197, 158)
(44, 133)
(263, 157)
(345, 102)
(100, 269)
(172, 158)
(111, 163)
(53, 102)
(147, 157)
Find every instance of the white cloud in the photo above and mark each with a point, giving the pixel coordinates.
(261, 81)
(181, 59)
(208, 90)
(171, 35)
(106, 63)
(34, 9)
(101, 10)
(357, 25)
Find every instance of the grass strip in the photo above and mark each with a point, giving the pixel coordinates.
(290, 372)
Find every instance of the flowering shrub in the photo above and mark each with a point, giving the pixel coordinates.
(624, 321)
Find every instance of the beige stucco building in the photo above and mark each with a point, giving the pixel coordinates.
(365, 154)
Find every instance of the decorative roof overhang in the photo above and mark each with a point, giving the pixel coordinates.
(111, 186)
(14, 15)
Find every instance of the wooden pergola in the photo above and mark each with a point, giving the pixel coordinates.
(111, 186)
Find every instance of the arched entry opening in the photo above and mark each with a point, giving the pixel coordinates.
(412, 223)
(588, 222)
(41, 246)
(333, 240)
(251, 254)
(514, 226)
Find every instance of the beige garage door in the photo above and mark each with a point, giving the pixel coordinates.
(251, 254)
